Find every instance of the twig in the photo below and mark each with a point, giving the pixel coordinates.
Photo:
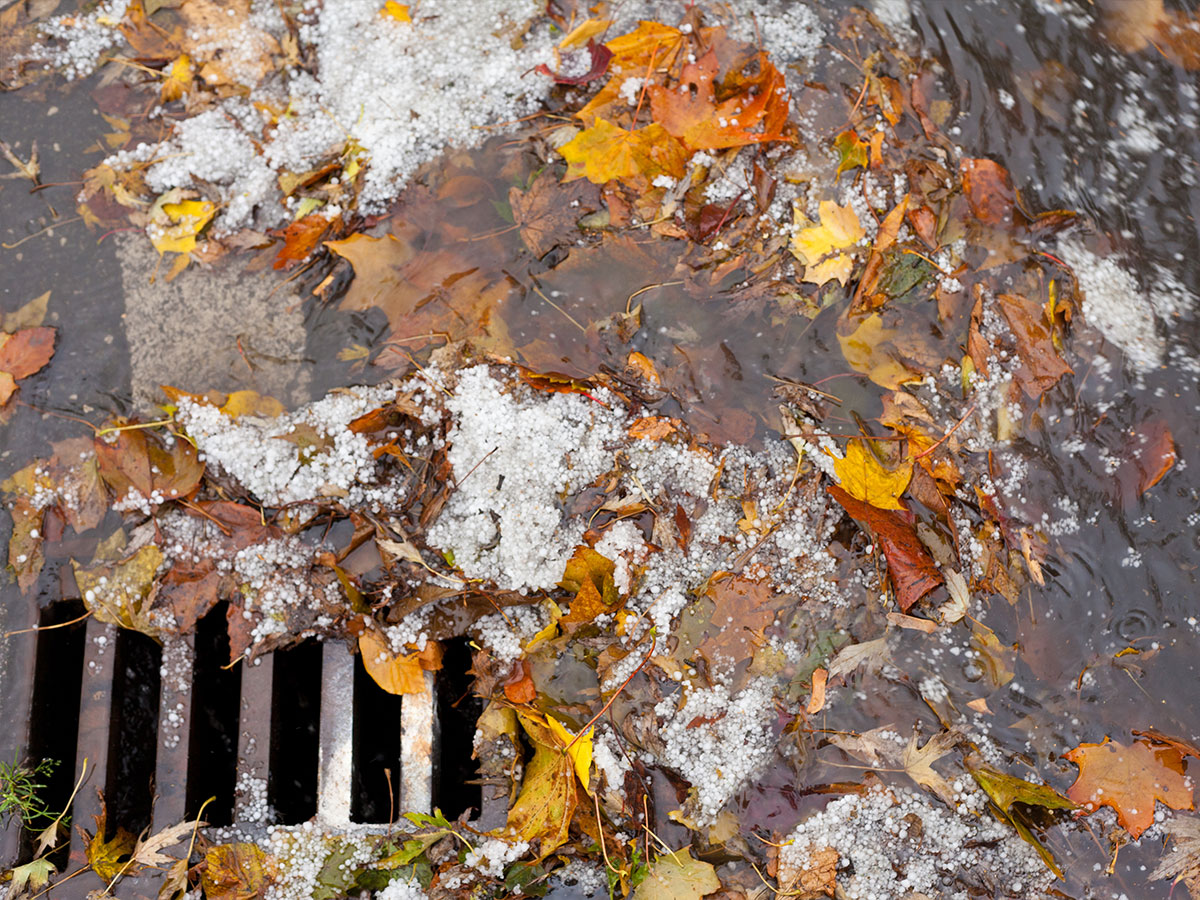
(617, 692)
(39, 628)
(966, 416)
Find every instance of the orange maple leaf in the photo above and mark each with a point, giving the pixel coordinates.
(1129, 779)
(690, 111)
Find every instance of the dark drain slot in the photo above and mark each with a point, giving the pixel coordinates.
(295, 733)
(57, 683)
(376, 757)
(455, 787)
(216, 698)
(129, 788)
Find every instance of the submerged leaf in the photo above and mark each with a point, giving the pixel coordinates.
(678, 875)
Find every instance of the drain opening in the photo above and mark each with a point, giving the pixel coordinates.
(54, 722)
(295, 733)
(133, 735)
(216, 700)
(456, 775)
(376, 754)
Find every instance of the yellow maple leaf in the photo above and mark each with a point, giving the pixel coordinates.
(580, 752)
(178, 80)
(864, 477)
(397, 11)
(868, 349)
(184, 220)
(838, 230)
(584, 32)
(605, 152)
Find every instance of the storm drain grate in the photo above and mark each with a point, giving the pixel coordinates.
(304, 732)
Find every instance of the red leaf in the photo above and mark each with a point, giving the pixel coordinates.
(601, 56)
(912, 569)
(26, 352)
(519, 686)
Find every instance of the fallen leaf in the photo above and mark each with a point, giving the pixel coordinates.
(872, 655)
(742, 608)
(817, 700)
(653, 428)
(579, 750)
(1129, 779)
(398, 11)
(605, 152)
(1041, 366)
(107, 856)
(179, 79)
(546, 804)
(116, 594)
(864, 477)
(32, 876)
(31, 315)
(300, 238)
(519, 687)
(148, 851)
(175, 228)
(1183, 862)
(989, 191)
(26, 351)
(852, 151)
(395, 673)
(1006, 790)
(140, 466)
(913, 571)
(678, 875)
(867, 347)
(818, 874)
(838, 230)
(591, 577)
(918, 763)
(237, 872)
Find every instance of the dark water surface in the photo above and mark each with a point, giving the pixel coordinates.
(1126, 578)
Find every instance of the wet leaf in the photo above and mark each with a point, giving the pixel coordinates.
(591, 576)
(179, 79)
(31, 315)
(918, 763)
(580, 751)
(1129, 779)
(678, 876)
(864, 477)
(236, 872)
(1183, 862)
(742, 609)
(839, 229)
(689, 110)
(872, 655)
(140, 466)
(300, 239)
(851, 150)
(546, 804)
(176, 225)
(868, 349)
(989, 191)
(396, 673)
(117, 594)
(816, 877)
(1041, 366)
(33, 876)
(913, 571)
(22, 354)
(26, 555)
(148, 851)
(1005, 790)
(606, 152)
(107, 856)
(519, 687)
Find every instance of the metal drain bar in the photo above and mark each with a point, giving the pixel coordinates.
(100, 741)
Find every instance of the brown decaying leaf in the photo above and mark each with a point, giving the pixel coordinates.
(1129, 779)
(817, 877)
(913, 571)
(22, 354)
(300, 238)
(989, 191)
(1041, 366)
(743, 608)
(547, 212)
(1183, 862)
(137, 460)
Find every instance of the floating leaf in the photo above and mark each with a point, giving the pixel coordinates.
(605, 152)
(838, 230)
(678, 875)
(864, 477)
(1129, 779)
(852, 151)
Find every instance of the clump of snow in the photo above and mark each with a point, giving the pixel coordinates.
(514, 453)
(718, 741)
(76, 41)
(493, 854)
(285, 459)
(401, 889)
(899, 843)
(1114, 303)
